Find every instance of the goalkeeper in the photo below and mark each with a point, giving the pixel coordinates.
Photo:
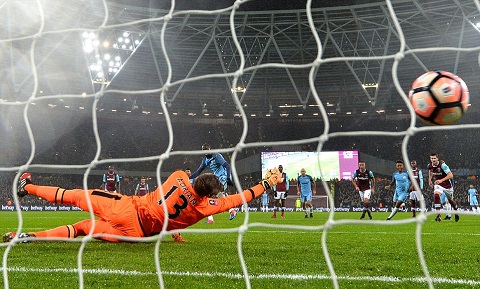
(134, 216)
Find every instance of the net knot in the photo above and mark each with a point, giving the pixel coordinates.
(236, 5)
(99, 94)
(238, 73)
(399, 56)
(242, 229)
(23, 168)
(323, 138)
(411, 131)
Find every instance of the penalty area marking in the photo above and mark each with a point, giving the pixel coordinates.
(252, 276)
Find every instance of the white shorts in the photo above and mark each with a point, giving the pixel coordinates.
(448, 192)
(365, 194)
(279, 196)
(416, 196)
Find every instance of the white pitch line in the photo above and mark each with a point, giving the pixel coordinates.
(357, 233)
(252, 276)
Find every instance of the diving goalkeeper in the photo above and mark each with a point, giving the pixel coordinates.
(134, 216)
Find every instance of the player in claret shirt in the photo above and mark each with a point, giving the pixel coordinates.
(364, 182)
(111, 181)
(416, 196)
(442, 183)
(176, 201)
(142, 188)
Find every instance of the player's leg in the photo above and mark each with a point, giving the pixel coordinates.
(395, 206)
(284, 201)
(310, 205)
(452, 203)
(362, 199)
(366, 203)
(232, 211)
(276, 198)
(304, 204)
(395, 209)
(413, 204)
(99, 200)
(437, 202)
(401, 197)
(445, 206)
(448, 210)
(79, 229)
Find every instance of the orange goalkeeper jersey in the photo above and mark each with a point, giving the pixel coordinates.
(184, 206)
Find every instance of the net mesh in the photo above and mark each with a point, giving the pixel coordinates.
(36, 30)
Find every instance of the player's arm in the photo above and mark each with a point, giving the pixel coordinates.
(354, 181)
(446, 178)
(387, 187)
(420, 177)
(224, 204)
(287, 182)
(372, 184)
(117, 183)
(228, 169)
(298, 187)
(449, 175)
(104, 184)
(314, 186)
(199, 170)
(430, 174)
(232, 201)
(136, 189)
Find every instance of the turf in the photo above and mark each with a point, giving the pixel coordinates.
(364, 255)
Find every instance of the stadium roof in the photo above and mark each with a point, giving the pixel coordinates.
(73, 57)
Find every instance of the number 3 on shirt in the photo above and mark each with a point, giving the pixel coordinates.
(178, 207)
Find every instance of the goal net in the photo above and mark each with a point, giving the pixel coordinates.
(87, 84)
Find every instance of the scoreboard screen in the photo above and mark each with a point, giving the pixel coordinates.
(325, 165)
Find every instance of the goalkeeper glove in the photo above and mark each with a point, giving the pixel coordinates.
(272, 178)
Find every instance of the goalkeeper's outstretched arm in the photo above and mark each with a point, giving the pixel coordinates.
(272, 177)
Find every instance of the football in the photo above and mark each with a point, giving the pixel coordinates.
(439, 97)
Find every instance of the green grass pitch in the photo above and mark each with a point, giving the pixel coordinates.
(364, 255)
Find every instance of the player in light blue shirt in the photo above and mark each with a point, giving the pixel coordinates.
(472, 197)
(217, 164)
(220, 167)
(402, 186)
(305, 187)
(265, 202)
